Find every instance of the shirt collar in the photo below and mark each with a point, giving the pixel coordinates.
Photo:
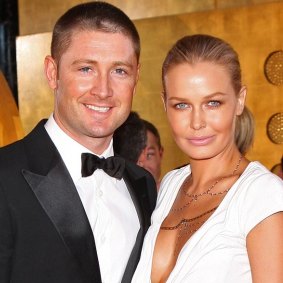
(69, 149)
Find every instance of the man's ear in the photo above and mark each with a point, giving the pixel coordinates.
(142, 158)
(161, 151)
(138, 73)
(51, 72)
(241, 100)
(137, 78)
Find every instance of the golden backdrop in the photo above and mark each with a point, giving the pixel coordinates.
(45, 13)
(10, 124)
(254, 32)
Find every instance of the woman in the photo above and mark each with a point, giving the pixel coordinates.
(219, 219)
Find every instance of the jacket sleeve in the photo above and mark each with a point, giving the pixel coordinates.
(6, 240)
(152, 192)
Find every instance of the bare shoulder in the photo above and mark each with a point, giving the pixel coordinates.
(265, 249)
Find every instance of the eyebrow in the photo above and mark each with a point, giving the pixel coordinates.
(121, 63)
(151, 147)
(83, 61)
(216, 94)
(94, 62)
(212, 95)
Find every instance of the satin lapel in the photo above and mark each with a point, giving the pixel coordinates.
(136, 187)
(58, 197)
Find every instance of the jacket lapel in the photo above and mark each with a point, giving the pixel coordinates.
(137, 189)
(58, 197)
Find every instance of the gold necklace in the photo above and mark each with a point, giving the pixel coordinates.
(188, 226)
(185, 221)
(194, 197)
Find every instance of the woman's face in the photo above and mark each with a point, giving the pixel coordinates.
(202, 106)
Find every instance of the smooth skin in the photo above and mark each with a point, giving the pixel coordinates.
(93, 83)
(201, 107)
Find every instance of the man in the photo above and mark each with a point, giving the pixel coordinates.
(278, 169)
(129, 140)
(139, 141)
(61, 220)
(151, 156)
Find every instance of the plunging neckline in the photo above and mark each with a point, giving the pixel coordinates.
(203, 227)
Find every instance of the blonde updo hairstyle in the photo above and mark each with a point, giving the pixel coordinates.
(206, 48)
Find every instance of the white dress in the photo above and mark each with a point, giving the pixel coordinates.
(217, 252)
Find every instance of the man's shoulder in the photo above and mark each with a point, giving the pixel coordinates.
(34, 145)
(137, 171)
(146, 186)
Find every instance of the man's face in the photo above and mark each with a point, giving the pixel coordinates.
(94, 84)
(151, 156)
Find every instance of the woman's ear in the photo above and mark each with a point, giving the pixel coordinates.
(51, 72)
(164, 100)
(241, 100)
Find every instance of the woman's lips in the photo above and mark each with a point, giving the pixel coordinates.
(200, 141)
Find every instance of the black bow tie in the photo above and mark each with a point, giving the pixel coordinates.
(114, 166)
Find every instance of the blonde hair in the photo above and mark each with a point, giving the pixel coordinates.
(206, 48)
(244, 132)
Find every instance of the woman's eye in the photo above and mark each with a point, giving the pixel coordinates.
(181, 106)
(214, 103)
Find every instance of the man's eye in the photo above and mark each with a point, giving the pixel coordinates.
(120, 71)
(149, 155)
(85, 69)
(181, 106)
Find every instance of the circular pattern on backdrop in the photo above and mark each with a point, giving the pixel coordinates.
(275, 128)
(273, 68)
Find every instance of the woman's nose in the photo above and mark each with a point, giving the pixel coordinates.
(197, 119)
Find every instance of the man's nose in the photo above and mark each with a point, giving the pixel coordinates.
(101, 86)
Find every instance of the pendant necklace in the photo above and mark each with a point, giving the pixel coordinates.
(191, 225)
(194, 197)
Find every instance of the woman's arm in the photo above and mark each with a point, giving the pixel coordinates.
(265, 250)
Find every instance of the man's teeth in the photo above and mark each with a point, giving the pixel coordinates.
(97, 108)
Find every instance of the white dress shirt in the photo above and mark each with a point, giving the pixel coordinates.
(107, 202)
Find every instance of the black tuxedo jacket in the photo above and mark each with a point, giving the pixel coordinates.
(45, 236)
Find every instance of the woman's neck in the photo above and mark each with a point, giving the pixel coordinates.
(205, 171)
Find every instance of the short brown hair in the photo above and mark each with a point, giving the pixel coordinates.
(129, 140)
(151, 128)
(93, 16)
